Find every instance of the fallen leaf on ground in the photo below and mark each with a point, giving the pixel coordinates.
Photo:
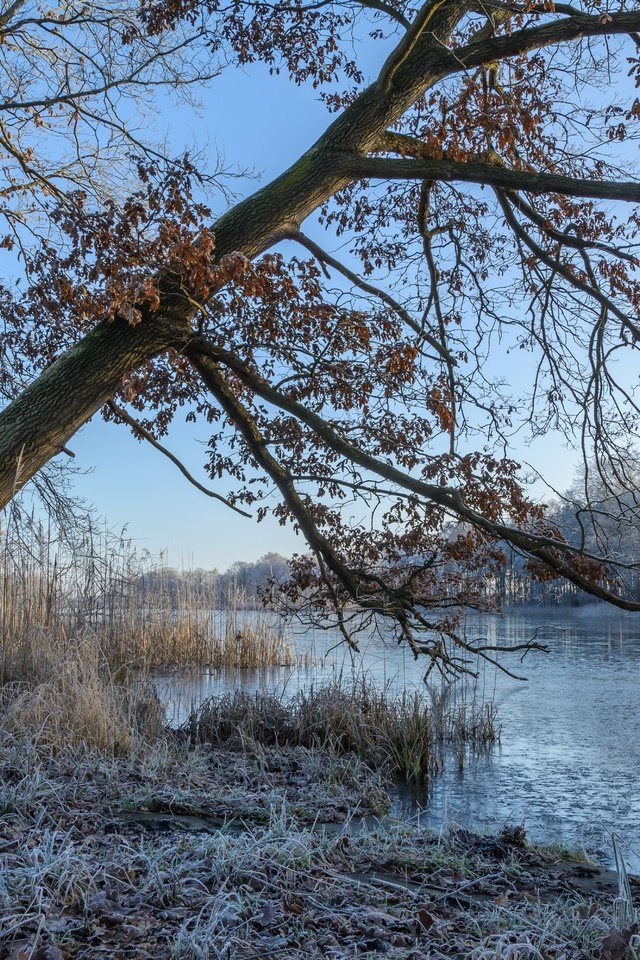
(614, 945)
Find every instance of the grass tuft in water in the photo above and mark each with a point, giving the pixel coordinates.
(402, 735)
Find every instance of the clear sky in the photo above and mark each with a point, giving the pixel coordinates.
(261, 123)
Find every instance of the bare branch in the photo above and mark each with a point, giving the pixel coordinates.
(137, 428)
(247, 426)
(407, 45)
(381, 168)
(589, 288)
(566, 237)
(549, 551)
(367, 287)
(11, 10)
(573, 27)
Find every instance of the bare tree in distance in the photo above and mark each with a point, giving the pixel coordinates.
(482, 186)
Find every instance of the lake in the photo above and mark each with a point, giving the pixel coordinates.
(568, 763)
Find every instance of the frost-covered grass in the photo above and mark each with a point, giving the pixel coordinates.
(82, 881)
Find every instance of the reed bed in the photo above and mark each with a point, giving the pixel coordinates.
(76, 701)
(99, 592)
(405, 735)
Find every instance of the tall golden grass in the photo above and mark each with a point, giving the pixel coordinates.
(81, 629)
(99, 593)
(83, 624)
(76, 701)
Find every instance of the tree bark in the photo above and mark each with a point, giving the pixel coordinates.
(39, 423)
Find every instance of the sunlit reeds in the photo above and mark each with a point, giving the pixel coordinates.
(101, 593)
(79, 703)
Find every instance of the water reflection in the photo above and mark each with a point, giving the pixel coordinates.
(568, 765)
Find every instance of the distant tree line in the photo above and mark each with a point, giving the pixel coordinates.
(607, 526)
(511, 584)
(605, 523)
(242, 583)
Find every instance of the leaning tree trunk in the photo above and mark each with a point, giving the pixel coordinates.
(38, 424)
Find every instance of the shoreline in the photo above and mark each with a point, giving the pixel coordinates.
(187, 853)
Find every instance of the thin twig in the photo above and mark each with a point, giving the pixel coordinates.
(149, 437)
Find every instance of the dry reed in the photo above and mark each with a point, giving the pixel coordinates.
(101, 592)
(82, 625)
(77, 701)
(404, 735)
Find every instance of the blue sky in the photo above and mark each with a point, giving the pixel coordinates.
(261, 123)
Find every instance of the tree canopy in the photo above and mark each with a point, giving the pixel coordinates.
(482, 190)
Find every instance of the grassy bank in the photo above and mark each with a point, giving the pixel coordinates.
(259, 831)
(174, 852)
(262, 828)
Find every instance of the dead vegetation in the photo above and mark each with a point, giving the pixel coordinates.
(92, 599)
(403, 735)
(255, 874)
(262, 828)
(80, 636)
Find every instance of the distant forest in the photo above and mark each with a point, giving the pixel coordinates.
(514, 585)
(244, 582)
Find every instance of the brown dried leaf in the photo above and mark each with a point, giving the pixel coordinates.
(25, 951)
(614, 945)
(425, 919)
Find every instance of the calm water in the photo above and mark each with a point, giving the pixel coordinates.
(568, 765)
